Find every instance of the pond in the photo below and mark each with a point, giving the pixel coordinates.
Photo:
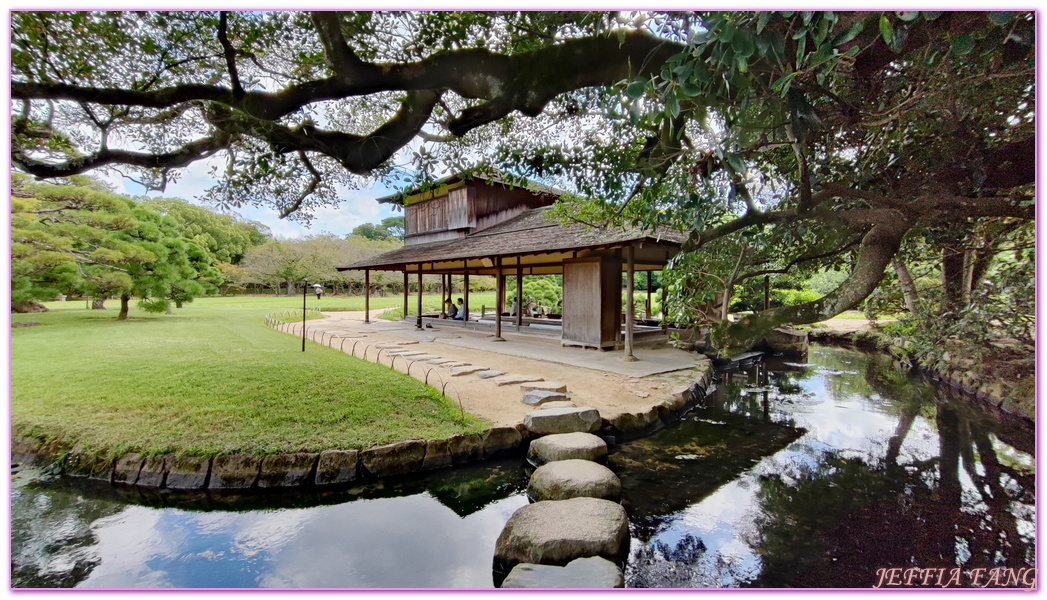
(813, 475)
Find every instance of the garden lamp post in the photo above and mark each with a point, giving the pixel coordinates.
(319, 289)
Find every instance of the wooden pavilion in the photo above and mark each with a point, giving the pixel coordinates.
(484, 226)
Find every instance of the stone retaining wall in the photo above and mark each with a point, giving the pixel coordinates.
(336, 467)
(1013, 398)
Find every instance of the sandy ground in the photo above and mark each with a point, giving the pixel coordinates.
(605, 382)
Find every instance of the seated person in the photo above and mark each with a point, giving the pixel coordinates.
(460, 315)
(451, 309)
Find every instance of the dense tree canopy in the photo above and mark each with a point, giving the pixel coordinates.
(782, 141)
(73, 239)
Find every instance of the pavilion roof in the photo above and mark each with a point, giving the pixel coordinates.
(529, 233)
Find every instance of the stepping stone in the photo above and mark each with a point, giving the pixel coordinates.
(539, 397)
(408, 343)
(557, 532)
(575, 478)
(563, 420)
(439, 361)
(489, 374)
(455, 364)
(518, 379)
(467, 370)
(422, 358)
(593, 572)
(388, 346)
(544, 386)
(557, 404)
(566, 446)
(406, 354)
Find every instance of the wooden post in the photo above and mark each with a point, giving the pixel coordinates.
(418, 323)
(465, 307)
(443, 296)
(367, 295)
(499, 302)
(665, 307)
(650, 299)
(407, 286)
(766, 292)
(519, 295)
(629, 307)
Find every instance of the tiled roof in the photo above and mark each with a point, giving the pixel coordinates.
(532, 232)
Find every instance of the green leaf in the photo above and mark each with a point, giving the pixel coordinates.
(689, 89)
(886, 30)
(672, 104)
(735, 161)
(701, 72)
(726, 33)
(962, 44)
(850, 34)
(1001, 18)
(763, 17)
(907, 15)
(637, 88)
(743, 44)
(781, 85)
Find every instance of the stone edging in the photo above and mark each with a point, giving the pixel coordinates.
(336, 467)
(962, 378)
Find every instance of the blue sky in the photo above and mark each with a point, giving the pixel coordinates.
(357, 206)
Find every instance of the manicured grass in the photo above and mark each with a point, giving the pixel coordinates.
(209, 379)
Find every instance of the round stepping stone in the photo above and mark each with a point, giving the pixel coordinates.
(539, 397)
(562, 420)
(545, 386)
(593, 572)
(489, 374)
(574, 478)
(558, 532)
(566, 446)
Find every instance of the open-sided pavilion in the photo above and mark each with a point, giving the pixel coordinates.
(483, 226)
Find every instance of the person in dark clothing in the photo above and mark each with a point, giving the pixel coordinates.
(452, 310)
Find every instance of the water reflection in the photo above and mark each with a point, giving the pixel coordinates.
(884, 470)
(434, 532)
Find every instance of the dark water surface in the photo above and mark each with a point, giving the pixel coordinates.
(812, 475)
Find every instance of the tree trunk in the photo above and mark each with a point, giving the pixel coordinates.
(879, 245)
(178, 304)
(125, 306)
(290, 287)
(98, 304)
(905, 282)
(952, 280)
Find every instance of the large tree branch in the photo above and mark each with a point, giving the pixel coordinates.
(229, 52)
(193, 151)
(878, 247)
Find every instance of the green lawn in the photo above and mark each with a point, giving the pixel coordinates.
(209, 379)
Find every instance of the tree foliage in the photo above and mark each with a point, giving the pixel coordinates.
(74, 239)
(785, 142)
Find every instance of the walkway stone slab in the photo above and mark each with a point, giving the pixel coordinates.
(557, 404)
(233, 471)
(539, 397)
(563, 420)
(566, 446)
(388, 346)
(455, 364)
(515, 379)
(469, 370)
(558, 532)
(439, 361)
(545, 386)
(489, 374)
(336, 466)
(593, 572)
(406, 354)
(574, 478)
(287, 470)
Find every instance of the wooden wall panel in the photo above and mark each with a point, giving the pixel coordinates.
(581, 289)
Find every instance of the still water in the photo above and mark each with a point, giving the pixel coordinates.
(812, 475)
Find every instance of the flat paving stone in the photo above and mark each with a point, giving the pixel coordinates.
(544, 386)
(539, 397)
(406, 354)
(439, 361)
(422, 358)
(454, 365)
(388, 346)
(469, 370)
(557, 404)
(489, 374)
(515, 379)
(563, 420)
